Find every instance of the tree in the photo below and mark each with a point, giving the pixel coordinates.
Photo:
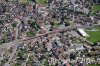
(21, 54)
(72, 55)
(67, 24)
(14, 25)
(55, 23)
(33, 24)
(3, 40)
(2, 62)
(30, 34)
(1, 21)
(16, 64)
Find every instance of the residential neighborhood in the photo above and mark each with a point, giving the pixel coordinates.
(49, 33)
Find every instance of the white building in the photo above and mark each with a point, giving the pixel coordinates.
(82, 32)
(79, 47)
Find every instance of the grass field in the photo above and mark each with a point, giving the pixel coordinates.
(94, 65)
(94, 36)
(23, 1)
(41, 1)
(96, 8)
(97, 27)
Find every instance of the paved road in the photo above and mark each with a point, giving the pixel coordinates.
(17, 29)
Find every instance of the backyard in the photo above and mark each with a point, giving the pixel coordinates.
(41, 1)
(23, 1)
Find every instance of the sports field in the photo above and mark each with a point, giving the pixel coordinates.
(94, 36)
(94, 65)
(96, 8)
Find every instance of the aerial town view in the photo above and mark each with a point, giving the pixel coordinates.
(49, 32)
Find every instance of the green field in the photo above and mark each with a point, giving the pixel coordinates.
(41, 1)
(23, 1)
(94, 36)
(94, 65)
(97, 27)
(96, 8)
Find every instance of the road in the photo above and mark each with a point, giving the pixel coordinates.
(17, 28)
(11, 56)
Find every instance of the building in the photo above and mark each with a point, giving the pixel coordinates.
(79, 47)
(1, 56)
(82, 33)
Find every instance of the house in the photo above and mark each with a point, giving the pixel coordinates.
(52, 60)
(48, 27)
(40, 22)
(20, 46)
(79, 47)
(85, 10)
(43, 30)
(28, 65)
(24, 36)
(49, 46)
(65, 63)
(42, 10)
(58, 41)
(71, 49)
(1, 56)
(29, 8)
(35, 64)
